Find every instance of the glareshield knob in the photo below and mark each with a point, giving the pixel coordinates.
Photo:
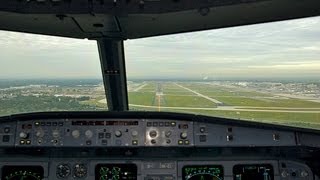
(134, 133)
(168, 133)
(118, 133)
(55, 133)
(40, 133)
(153, 133)
(184, 135)
(76, 133)
(88, 133)
(23, 135)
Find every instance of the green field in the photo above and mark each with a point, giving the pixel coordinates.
(187, 101)
(141, 98)
(236, 103)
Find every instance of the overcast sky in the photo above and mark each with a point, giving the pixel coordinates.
(281, 49)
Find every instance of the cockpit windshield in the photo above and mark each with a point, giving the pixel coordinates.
(45, 73)
(265, 72)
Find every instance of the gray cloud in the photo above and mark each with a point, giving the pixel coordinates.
(287, 48)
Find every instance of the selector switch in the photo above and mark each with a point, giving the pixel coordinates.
(40, 133)
(168, 133)
(55, 133)
(88, 134)
(6, 129)
(76, 133)
(153, 134)
(184, 135)
(134, 133)
(118, 133)
(23, 135)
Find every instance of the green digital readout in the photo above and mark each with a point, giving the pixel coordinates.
(116, 172)
(202, 172)
(253, 171)
(22, 173)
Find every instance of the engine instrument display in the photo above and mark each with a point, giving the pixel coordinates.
(22, 173)
(202, 172)
(256, 172)
(116, 172)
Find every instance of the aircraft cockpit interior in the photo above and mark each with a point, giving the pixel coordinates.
(165, 136)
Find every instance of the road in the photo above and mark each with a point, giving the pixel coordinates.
(201, 95)
(140, 87)
(234, 108)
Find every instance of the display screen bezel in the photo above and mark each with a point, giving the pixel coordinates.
(132, 167)
(9, 169)
(202, 166)
(241, 166)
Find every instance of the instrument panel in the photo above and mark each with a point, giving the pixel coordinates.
(168, 170)
(149, 149)
(137, 133)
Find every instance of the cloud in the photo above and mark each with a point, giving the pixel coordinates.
(278, 48)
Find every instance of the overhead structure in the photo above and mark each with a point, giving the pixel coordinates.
(129, 19)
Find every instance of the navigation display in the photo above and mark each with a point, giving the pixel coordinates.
(256, 172)
(116, 172)
(22, 172)
(202, 172)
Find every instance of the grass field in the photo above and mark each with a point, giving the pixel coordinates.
(225, 101)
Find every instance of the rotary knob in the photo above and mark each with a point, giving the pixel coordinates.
(184, 135)
(118, 133)
(285, 174)
(23, 135)
(134, 133)
(88, 134)
(80, 170)
(63, 171)
(55, 133)
(76, 133)
(153, 134)
(304, 173)
(40, 133)
(168, 133)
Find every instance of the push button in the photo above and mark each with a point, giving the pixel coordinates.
(186, 142)
(6, 138)
(6, 129)
(135, 142)
(89, 142)
(203, 138)
(101, 135)
(108, 135)
(118, 142)
(104, 142)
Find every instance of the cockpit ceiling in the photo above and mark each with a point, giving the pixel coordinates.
(130, 19)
